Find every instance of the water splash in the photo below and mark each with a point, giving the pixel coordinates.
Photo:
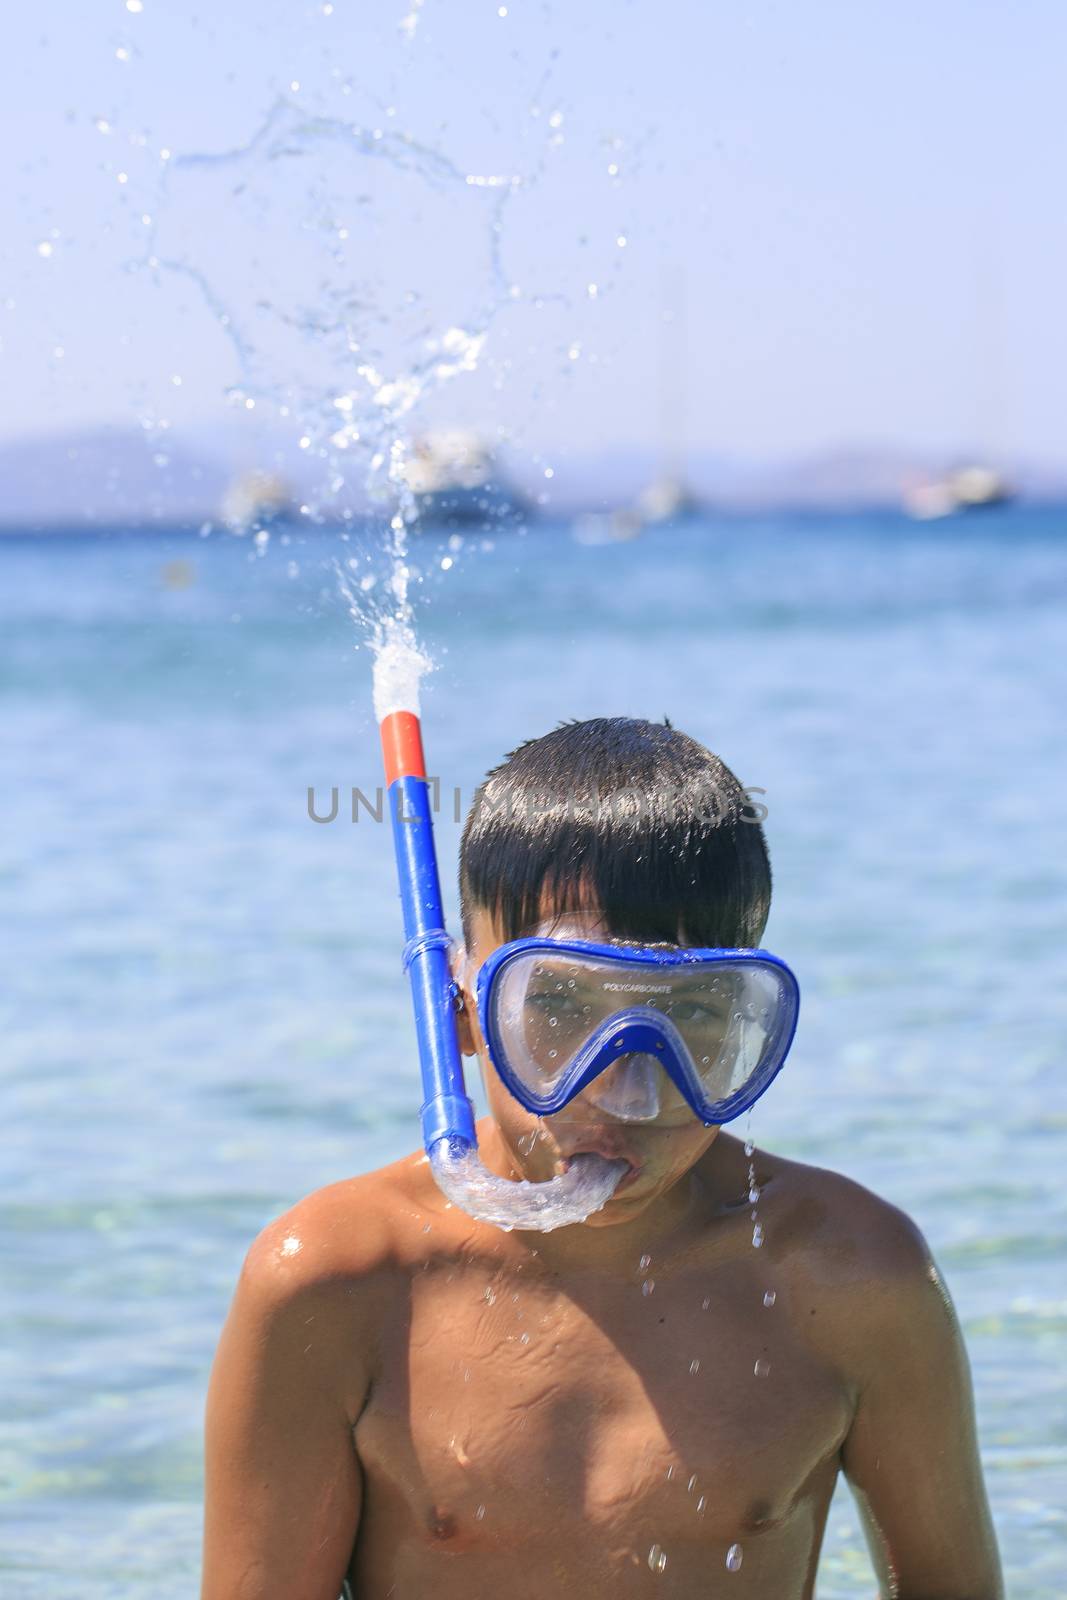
(399, 667)
(316, 268)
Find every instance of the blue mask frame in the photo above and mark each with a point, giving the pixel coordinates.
(642, 1030)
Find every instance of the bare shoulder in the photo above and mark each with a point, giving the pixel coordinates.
(340, 1250)
(860, 1269)
(849, 1226)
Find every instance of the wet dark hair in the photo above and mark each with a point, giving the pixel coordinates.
(629, 816)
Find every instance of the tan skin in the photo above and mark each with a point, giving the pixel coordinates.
(438, 1409)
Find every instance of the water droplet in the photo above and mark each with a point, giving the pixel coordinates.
(753, 1192)
(762, 1369)
(757, 1236)
(749, 1147)
(705, 1303)
(657, 1559)
(480, 1513)
(644, 1263)
(734, 1557)
(769, 1297)
(694, 1368)
(490, 1296)
(648, 1286)
(691, 1485)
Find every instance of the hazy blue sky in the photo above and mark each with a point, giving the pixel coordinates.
(858, 208)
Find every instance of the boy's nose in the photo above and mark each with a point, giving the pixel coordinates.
(628, 1089)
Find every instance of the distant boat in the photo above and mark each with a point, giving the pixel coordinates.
(455, 481)
(967, 489)
(667, 500)
(256, 500)
(607, 527)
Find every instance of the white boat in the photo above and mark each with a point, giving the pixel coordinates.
(256, 500)
(455, 481)
(966, 489)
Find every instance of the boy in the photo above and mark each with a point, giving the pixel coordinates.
(428, 1407)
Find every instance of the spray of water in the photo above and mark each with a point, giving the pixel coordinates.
(354, 270)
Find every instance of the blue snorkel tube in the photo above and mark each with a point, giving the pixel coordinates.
(448, 1130)
(447, 1112)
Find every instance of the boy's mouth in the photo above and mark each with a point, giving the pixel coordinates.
(610, 1150)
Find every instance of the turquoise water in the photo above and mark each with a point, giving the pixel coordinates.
(204, 1017)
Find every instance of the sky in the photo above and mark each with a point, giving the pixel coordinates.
(755, 231)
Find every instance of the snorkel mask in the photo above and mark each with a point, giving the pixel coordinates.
(644, 1032)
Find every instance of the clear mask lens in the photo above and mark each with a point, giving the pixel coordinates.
(546, 1007)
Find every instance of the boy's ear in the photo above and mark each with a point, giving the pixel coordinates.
(463, 1002)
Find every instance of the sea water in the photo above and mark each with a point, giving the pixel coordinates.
(205, 1016)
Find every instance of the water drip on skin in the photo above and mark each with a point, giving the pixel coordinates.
(657, 1559)
(753, 1186)
(734, 1557)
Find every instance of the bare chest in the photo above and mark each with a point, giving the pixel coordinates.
(511, 1412)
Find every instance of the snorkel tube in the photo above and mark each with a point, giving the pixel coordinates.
(448, 1130)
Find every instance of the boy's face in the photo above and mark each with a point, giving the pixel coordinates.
(660, 1151)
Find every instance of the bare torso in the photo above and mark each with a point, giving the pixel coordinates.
(671, 1427)
(440, 1409)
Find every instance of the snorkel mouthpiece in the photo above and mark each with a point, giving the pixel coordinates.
(448, 1130)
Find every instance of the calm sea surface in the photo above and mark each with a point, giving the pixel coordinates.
(204, 1018)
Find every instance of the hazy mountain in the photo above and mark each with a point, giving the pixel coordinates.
(114, 476)
(108, 475)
